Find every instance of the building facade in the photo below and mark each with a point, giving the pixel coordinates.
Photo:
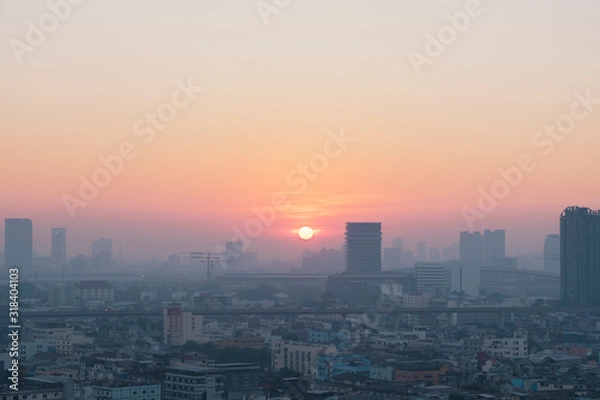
(59, 247)
(18, 243)
(552, 253)
(363, 247)
(580, 257)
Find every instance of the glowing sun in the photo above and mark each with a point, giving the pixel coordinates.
(305, 233)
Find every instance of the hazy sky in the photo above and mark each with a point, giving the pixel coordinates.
(271, 94)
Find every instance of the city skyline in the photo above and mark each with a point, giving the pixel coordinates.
(415, 151)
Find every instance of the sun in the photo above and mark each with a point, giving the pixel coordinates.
(305, 233)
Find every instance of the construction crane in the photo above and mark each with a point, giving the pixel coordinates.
(208, 258)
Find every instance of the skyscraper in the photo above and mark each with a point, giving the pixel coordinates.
(363, 247)
(494, 246)
(552, 253)
(18, 243)
(580, 257)
(59, 247)
(471, 246)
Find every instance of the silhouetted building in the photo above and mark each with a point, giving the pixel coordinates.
(59, 247)
(471, 246)
(580, 257)
(392, 258)
(494, 245)
(363, 247)
(102, 254)
(552, 253)
(323, 261)
(18, 243)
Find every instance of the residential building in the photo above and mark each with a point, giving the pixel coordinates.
(297, 356)
(580, 257)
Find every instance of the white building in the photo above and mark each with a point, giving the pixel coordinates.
(515, 347)
(434, 278)
(181, 326)
(298, 356)
(193, 382)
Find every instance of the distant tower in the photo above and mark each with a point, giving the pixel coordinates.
(18, 243)
(494, 246)
(421, 252)
(580, 257)
(471, 246)
(363, 247)
(59, 247)
(552, 253)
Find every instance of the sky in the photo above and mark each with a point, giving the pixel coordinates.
(392, 120)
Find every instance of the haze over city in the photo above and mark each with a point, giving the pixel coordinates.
(425, 137)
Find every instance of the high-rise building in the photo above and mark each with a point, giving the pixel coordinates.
(471, 246)
(18, 243)
(102, 254)
(59, 247)
(494, 246)
(552, 253)
(363, 247)
(399, 243)
(580, 257)
(421, 252)
(392, 258)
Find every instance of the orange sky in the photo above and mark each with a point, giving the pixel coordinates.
(271, 93)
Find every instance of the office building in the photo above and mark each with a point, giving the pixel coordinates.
(552, 253)
(363, 247)
(580, 257)
(59, 247)
(471, 246)
(434, 278)
(194, 382)
(18, 243)
(494, 246)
